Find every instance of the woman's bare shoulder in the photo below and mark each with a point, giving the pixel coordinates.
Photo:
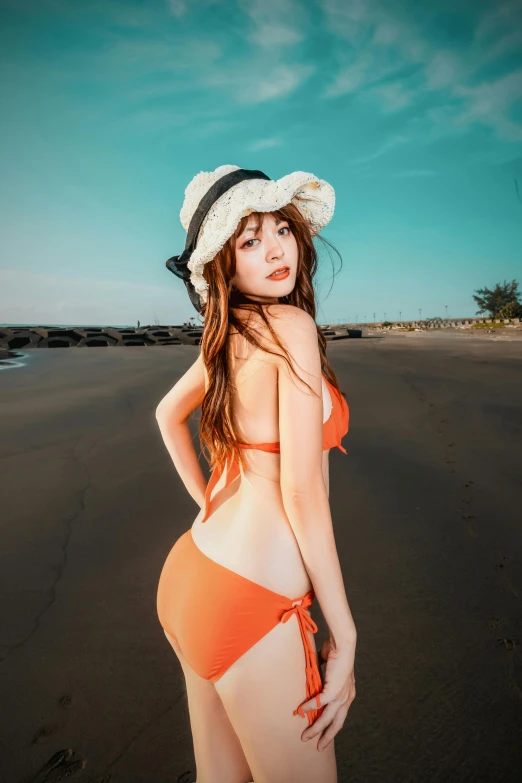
(283, 318)
(294, 328)
(293, 325)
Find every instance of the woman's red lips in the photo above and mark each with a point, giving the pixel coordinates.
(283, 272)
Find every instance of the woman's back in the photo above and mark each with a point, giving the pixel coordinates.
(247, 529)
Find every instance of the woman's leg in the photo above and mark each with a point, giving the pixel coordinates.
(260, 691)
(217, 749)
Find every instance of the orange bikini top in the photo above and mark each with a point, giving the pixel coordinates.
(334, 429)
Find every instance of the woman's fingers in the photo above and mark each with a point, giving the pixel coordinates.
(333, 711)
(335, 726)
(312, 704)
(325, 697)
(321, 722)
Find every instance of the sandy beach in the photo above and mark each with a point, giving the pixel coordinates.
(427, 513)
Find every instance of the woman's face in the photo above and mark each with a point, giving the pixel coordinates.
(257, 257)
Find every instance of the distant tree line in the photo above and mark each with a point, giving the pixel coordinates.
(503, 301)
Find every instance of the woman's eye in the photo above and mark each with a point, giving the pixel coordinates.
(248, 245)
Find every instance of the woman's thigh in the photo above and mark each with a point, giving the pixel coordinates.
(217, 749)
(260, 691)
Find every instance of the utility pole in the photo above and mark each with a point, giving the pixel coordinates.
(384, 316)
(446, 306)
(420, 313)
(356, 317)
(400, 313)
(374, 318)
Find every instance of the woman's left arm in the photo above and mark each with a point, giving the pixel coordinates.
(172, 415)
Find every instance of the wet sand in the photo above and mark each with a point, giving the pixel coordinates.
(427, 513)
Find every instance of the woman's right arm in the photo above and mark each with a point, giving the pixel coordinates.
(303, 489)
(172, 415)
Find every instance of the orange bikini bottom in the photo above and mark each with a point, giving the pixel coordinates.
(216, 615)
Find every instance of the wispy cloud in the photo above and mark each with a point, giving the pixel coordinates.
(270, 34)
(386, 146)
(510, 42)
(381, 45)
(371, 23)
(501, 17)
(253, 84)
(442, 70)
(415, 173)
(355, 75)
(181, 8)
(499, 31)
(263, 144)
(211, 128)
(393, 96)
(274, 23)
(178, 8)
(489, 103)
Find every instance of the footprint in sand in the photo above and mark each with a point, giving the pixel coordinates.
(500, 568)
(511, 646)
(467, 504)
(468, 518)
(43, 733)
(61, 765)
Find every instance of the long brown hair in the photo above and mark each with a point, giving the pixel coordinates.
(217, 433)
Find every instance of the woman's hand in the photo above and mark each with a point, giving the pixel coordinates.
(325, 651)
(337, 694)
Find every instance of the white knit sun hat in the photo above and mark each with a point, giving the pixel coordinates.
(215, 201)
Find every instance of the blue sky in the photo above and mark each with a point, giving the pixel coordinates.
(413, 113)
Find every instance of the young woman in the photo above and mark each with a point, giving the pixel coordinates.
(235, 590)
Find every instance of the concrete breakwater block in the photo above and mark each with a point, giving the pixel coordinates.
(342, 333)
(21, 338)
